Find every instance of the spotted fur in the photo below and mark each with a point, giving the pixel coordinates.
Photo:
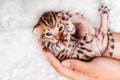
(67, 46)
(111, 45)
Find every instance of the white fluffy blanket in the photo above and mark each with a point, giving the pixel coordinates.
(20, 56)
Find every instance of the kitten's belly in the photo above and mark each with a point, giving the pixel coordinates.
(116, 53)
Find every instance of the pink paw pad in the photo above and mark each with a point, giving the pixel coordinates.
(65, 17)
(104, 9)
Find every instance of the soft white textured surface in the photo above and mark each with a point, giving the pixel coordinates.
(20, 56)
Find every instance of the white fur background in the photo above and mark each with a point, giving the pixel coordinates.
(20, 56)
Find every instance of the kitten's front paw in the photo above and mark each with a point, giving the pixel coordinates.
(65, 16)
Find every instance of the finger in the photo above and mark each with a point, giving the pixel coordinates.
(58, 67)
(39, 42)
(74, 75)
(43, 47)
(82, 76)
(78, 65)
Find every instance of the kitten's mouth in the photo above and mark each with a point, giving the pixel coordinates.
(57, 37)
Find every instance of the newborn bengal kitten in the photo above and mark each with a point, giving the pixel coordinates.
(58, 34)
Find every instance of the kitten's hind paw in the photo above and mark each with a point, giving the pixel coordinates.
(103, 9)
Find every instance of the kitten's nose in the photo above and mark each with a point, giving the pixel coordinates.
(56, 36)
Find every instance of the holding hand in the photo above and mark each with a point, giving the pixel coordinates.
(97, 69)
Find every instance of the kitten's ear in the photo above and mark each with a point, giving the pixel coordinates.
(35, 27)
(57, 13)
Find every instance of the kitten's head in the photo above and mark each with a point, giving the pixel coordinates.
(50, 27)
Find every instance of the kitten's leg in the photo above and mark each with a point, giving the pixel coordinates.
(103, 31)
(65, 19)
(85, 28)
(86, 23)
(104, 15)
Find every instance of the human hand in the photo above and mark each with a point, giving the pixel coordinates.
(97, 69)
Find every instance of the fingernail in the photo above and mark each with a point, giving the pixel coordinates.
(66, 63)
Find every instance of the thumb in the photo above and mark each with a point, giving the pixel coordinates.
(39, 42)
(78, 65)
